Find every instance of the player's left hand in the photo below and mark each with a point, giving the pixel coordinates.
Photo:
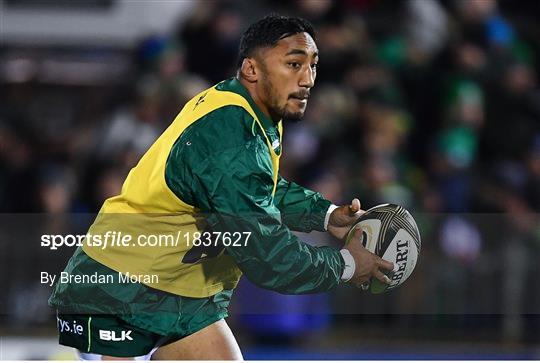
(342, 219)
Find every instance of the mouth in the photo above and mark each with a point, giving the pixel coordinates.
(302, 99)
(302, 102)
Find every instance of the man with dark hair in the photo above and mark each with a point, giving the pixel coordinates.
(212, 180)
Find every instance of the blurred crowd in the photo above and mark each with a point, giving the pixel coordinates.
(433, 105)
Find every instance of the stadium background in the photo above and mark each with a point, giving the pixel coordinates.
(433, 105)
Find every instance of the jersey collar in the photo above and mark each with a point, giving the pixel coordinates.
(234, 85)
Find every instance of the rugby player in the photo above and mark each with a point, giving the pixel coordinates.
(215, 170)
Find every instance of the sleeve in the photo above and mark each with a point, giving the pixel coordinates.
(234, 187)
(301, 209)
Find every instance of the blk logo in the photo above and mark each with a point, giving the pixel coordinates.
(111, 336)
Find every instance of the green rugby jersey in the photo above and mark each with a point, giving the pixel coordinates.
(216, 168)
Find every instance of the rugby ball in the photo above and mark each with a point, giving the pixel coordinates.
(390, 232)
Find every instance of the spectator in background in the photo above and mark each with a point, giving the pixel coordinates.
(212, 33)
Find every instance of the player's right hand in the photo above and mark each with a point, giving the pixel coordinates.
(368, 264)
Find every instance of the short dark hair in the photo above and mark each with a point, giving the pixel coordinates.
(268, 31)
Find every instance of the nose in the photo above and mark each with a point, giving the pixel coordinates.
(307, 78)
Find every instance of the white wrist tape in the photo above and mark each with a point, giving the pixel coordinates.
(327, 218)
(350, 265)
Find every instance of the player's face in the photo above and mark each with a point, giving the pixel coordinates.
(289, 71)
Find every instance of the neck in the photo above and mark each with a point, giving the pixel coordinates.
(252, 90)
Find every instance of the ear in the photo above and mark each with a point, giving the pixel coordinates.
(248, 70)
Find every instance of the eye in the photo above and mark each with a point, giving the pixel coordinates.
(314, 66)
(294, 65)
